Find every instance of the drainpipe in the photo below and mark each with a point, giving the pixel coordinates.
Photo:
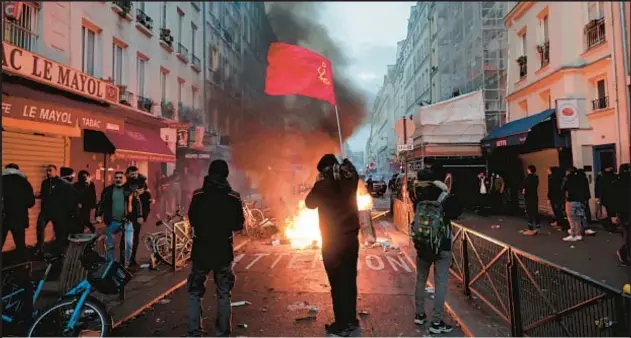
(625, 56)
(613, 58)
(204, 63)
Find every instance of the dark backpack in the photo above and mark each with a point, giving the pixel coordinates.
(429, 229)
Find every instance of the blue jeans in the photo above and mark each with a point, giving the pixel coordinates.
(112, 229)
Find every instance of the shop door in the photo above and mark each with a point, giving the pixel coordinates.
(542, 160)
(604, 156)
(32, 153)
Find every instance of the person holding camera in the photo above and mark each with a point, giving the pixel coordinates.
(146, 200)
(335, 196)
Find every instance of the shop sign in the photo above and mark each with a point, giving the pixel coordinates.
(567, 113)
(25, 109)
(197, 156)
(13, 9)
(38, 68)
(198, 141)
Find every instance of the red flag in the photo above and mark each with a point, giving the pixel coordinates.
(294, 70)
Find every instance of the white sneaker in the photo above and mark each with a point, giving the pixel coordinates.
(590, 232)
(569, 231)
(570, 238)
(579, 238)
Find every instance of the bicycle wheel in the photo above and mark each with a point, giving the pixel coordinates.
(163, 248)
(257, 216)
(94, 320)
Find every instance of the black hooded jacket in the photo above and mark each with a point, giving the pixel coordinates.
(17, 198)
(555, 183)
(335, 197)
(605, 188)
(623, 194)
(87, 194)
(531, 187)
(215, 213)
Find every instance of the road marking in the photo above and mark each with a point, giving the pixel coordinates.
(401, 263)
(370, 258)
(258, 257)
(292, 261)
(317, 257)
(237, 259)
(280, 256)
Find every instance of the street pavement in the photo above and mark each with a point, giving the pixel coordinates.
(283, 285)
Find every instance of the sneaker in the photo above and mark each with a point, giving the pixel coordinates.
(621, 260)
(590, 232)
(440, 327)
(530, 232)
(554, 224)
(571, 238)
(336, 330)
(420, 319)
(538, 226)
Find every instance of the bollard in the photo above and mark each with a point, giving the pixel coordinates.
(366, 227)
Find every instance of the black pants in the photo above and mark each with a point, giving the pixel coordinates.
(18, 232)
(60, 227)
(588, 212)
(84, 220)
(339, 256)
(135, 241)
(532, 211)
(624, 249)
(559, 214)
(608, 224)
(224, 282)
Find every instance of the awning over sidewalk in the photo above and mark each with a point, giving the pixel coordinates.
(515, 132)
(141, 144)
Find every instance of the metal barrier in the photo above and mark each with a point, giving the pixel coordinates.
(534, 296)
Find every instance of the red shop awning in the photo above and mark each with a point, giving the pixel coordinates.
(140, 144)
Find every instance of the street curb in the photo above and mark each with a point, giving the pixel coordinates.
(450, 310)
(156, 299)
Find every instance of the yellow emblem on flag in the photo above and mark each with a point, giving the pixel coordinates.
(322, 74)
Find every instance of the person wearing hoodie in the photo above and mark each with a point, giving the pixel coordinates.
(584, 184)
(144, 196)
(605, 190)
(530, 188)
(17, 198)
(215, 213)
(50, 196)
(87, 200)
(429, 187)
(555, 197)
(623, 199)
(67, 209)
(574, 205)
(334, 194)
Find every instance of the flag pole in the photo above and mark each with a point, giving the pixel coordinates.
(339, 130)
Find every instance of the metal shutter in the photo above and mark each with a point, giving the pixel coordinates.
(32, 153)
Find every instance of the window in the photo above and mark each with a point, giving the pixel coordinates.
(180, 20)
(88, 41)
(179, 91)
(194, 97)
(595, 10)
(193, 36)
(601, 89)
(117, 64)
(163, 85)
(23, 32)
(524, 47)
(544, 29)
(141, 5)
(140, 68)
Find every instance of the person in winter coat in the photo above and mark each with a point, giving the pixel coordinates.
(50, 196)
(87, 200)
(484, 200)
(118, 209)
(575, 197)
(555, 197)
(623, 199)
(429, 187)
(66, 211)
(17, 198)
(606, 195)
(215, 213)
(335, 196)
(530, 188)
(587, 193)
(145, 208)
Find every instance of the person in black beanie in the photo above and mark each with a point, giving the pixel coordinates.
(335, 196)
(215, 213)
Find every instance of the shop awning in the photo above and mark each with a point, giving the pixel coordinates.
(140, 144)
(515, 132)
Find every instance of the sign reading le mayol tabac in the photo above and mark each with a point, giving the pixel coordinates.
(21, 62)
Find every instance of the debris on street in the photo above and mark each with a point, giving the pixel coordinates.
(308, 318)
(276, 242)
(430, 289)
(314, 309)
(242, 326)
(364, 313)
(302, 305)
(495, 226)
(241, 303)
(164, 301)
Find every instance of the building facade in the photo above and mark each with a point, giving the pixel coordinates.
(566, 71)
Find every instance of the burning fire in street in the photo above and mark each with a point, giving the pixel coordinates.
(303, 230)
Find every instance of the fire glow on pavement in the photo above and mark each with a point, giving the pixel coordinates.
(303, 230)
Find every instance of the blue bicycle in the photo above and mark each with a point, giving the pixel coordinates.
(77, 313)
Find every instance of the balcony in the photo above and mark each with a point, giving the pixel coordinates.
(166, 39)
(600, 103)
(594, 33)
(144, 103)
(126, 97)
(20, 33)
(182, 52)
(544, 53)
(123, 8)
(522, 61)
(167, 109)
(144, 22)
(196, 63)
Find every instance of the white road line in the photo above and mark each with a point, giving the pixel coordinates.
(237, 259)
(369, 259)
(400, 262)
(258, 257)
(280, 256)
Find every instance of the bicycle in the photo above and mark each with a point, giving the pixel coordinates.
(255, 219)
(70, 314)
(160, 243)
(19, 303)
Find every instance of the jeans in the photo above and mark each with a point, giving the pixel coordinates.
(136, 239)
(339, 256)
(441, 274)
(84, 220)
(559, 216)
(112, 229)
(576, 217)
(532, 211)
(224, 282)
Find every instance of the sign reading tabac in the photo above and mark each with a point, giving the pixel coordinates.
(38, 68)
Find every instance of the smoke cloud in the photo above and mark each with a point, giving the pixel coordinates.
(281, 139)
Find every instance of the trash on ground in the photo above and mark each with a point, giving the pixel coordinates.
(430, 289)
(314, 309)
(264, 309)
(241, 303)
(364, 313)
(164, 301)
(302, 305)
(308, 318)
(145, 266)
(242, 326)
(276, 242)
(495, 226)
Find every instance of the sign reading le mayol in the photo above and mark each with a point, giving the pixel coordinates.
(18, 61)
(567, 113)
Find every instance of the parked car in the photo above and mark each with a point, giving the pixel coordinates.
(379, 187)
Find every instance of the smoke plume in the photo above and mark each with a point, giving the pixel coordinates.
(281, 139)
